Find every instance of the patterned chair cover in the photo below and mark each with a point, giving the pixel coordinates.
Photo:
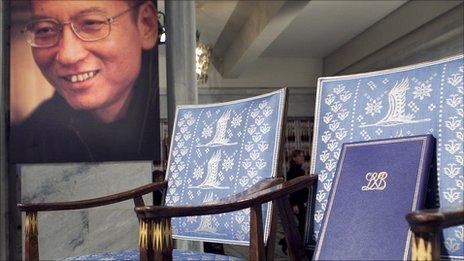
(218, 150)
(425, 98)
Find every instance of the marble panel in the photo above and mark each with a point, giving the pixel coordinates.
(82, 232)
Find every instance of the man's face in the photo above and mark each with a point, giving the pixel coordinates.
(299, 159)
(91, 75)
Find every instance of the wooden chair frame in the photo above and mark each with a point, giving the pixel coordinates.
(155, 237)
(31, 224)
(426, 226)
(156, 233)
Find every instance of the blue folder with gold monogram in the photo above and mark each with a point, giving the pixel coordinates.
(376, 184)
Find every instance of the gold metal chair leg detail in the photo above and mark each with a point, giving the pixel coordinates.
(31, 230)
(425, 246)
(145, 237)
(162, 239)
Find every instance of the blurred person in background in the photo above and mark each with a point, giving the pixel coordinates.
(298, 200)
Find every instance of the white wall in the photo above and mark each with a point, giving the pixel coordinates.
(264, 72)
(264, 75)
(272, 72)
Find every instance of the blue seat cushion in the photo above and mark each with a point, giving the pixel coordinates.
(134, 255)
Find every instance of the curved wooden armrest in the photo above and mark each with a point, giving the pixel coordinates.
(434, 219)
(96, 202)
(236, 202)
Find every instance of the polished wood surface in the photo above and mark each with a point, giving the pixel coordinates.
(426, 226)
(96, 202)
(271, 240)
(229, 204)
(256, 234)
(435, 219)
(292, 235)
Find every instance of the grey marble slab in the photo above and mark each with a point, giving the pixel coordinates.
(73, 233)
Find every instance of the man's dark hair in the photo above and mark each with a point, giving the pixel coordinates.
(293, 155)
(135, 11)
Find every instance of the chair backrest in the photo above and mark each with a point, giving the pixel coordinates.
(218, 150)
(425, 98)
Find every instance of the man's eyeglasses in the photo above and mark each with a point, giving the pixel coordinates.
(88, 27)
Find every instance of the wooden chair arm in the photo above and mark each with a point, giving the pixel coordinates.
(426, 226)
(431, 220)
(96, 202)
(254, 196)
(155, 236)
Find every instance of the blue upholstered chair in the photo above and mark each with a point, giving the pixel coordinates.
(216, 151)
(421, 99)
(224, 161)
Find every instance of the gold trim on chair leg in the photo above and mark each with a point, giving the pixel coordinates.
(143, 234)
(425, 246)
(31, 237)
(145, 237)
(31, 223)
(162, 238)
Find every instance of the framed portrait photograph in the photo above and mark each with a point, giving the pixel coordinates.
(83, 81)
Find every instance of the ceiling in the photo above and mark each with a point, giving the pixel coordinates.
(211, 17)
(323, 26)
(242, 31)
(314, 31)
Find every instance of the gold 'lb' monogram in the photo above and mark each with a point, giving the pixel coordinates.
(375, 181)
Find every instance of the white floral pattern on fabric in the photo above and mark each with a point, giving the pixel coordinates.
(373, 107)
(422, 91)
(230, 147)
(415, 100)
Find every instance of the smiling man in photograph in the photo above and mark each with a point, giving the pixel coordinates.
(91, 53)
